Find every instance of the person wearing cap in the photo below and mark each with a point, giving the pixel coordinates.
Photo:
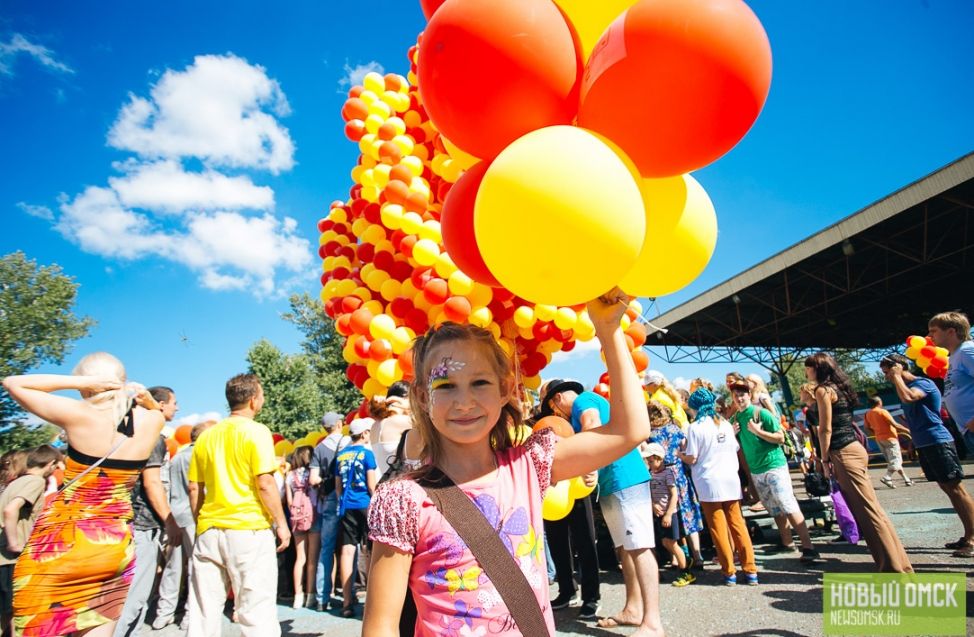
(711, 452)
(659, 389)
(355, 481)
(664, 493)
(626, 502)
(323, 476)
(761, 436)
(575, 533)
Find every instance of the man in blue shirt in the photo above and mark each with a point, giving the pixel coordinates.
(627, 506)
(934, 444)
(952, 331)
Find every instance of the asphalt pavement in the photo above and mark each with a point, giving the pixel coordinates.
(788, 601)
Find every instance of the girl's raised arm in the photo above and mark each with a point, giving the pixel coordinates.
(629, 421)
(34, 393)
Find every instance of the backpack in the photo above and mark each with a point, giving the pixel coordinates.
(788, 445)
(301, 509)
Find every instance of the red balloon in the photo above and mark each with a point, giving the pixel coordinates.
(350, 304)
(490, 72)
(604, 378)
(928, 352)
(456, 224)
(457, 309)
(362, 346)
(436, 291)
(416, 320)
(602, 390)
(429, 7)
(277, 438)
(677, 84)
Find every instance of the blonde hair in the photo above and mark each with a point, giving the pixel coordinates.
(510, 416)
(953, 320)
(659, 414)
(104, 365)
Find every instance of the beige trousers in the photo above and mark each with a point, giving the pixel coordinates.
(245, 561)
(850, 466)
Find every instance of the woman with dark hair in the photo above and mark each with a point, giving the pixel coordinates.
(844, 457)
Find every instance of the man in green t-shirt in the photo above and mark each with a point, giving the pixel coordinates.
(761, 437)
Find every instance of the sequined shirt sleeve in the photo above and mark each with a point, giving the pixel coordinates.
(541, 449)
(394, 514)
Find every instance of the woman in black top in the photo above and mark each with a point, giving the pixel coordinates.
(846, 459)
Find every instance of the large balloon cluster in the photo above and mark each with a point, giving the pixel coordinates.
(931, 359)
(534, 157)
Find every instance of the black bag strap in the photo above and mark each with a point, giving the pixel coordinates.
(485, 544)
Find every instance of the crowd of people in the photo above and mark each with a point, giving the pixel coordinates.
(427, 502)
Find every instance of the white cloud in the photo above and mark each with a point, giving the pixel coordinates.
(354, 75)
(681, 383)
(18, 44)
(582, 349)
(215, 110)
(157, 209)
(165, 187)
(41, 212)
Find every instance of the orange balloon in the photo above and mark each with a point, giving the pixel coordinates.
(640, 358)
(490, 72)
(560, 426)
(637, 332)
(172, 446)
(677, 84)
(182, 434)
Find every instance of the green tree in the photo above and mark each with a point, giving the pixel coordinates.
(24, 436)
(37, 323)
(300, 388)
(293, 405)
(848, 360)
(323, 347)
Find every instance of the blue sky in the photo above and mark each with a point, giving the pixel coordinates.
(116, 116)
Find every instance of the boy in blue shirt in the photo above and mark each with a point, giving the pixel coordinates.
(934, 444)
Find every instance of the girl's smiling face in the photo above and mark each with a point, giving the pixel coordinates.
(465, 396)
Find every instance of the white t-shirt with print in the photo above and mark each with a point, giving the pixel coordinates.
(715, 471)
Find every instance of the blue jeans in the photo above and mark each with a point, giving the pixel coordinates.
(328, 527)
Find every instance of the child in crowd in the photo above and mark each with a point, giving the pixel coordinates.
(465, 406)
(300, 502)
(355, 481)
(666, 526)
(20, 504)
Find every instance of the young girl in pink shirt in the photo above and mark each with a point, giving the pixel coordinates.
(465, 408)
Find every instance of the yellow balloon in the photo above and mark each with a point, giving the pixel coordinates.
(283, 448)
(532, 382)
(464, 159)
(481, 317)
(557, 502)
(916, 342)
(565, 318)
(388, 372)
(564, 197)
(591, 19)
(401, 340)
(577, 488)
(382, 326)
(681, 232)
(545, 312)
(912, 353)
(426, 252)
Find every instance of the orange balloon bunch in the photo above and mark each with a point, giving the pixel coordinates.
(931, 359)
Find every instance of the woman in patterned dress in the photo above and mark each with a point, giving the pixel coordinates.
(74, 573)
(669, 435)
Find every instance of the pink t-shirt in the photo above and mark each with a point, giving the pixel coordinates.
(453, 595)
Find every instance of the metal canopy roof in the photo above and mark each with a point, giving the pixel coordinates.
(865, 282)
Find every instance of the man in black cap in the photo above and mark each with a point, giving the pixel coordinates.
(576, 530)
(627, 508)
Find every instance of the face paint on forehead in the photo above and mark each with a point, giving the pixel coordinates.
(440, 373)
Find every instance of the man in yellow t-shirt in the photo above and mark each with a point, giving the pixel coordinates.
(886, 430)
(235, 500)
